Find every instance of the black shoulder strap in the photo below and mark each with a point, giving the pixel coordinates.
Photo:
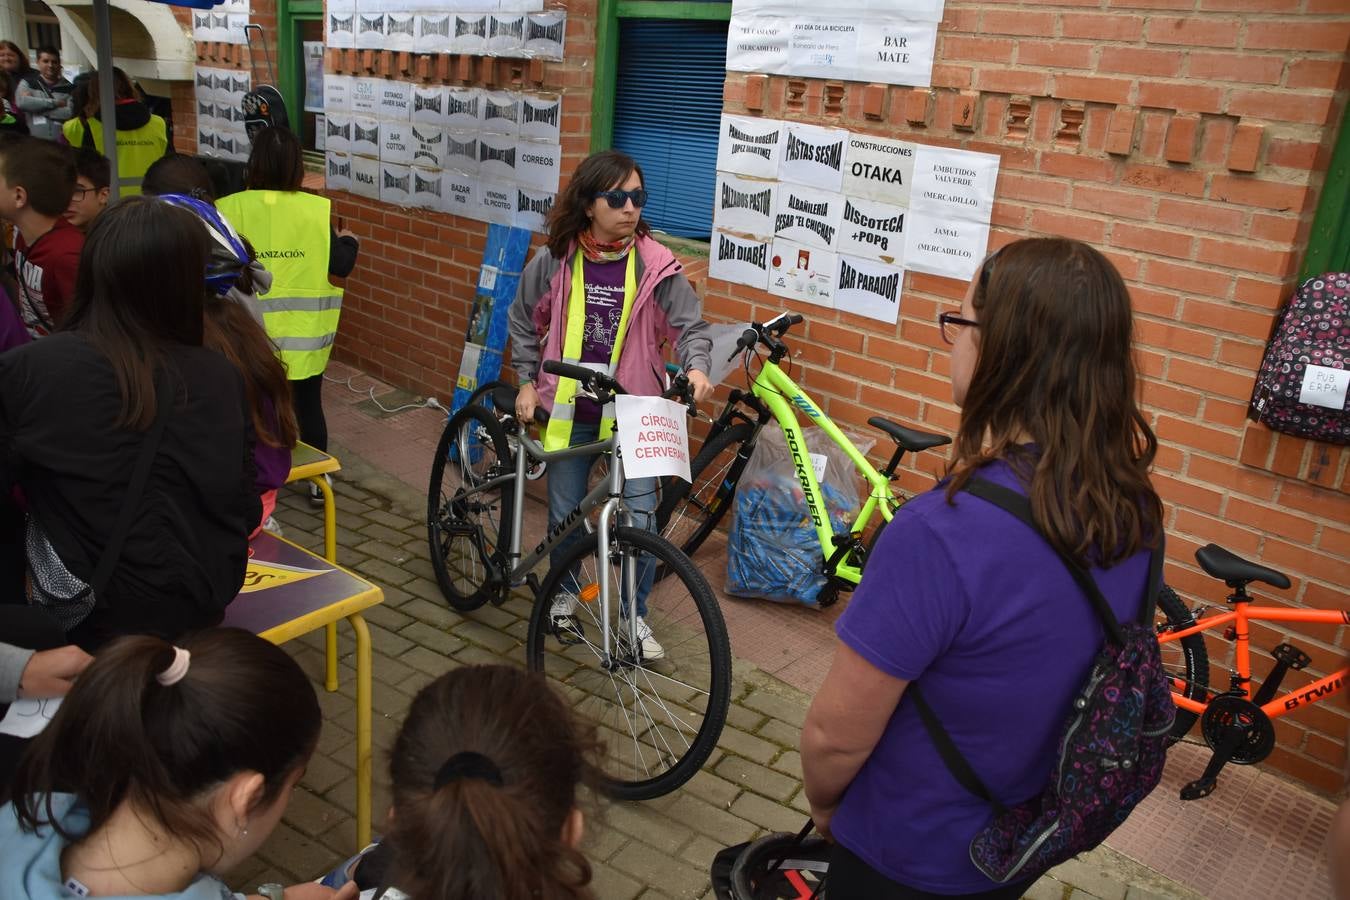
(88, 140)
(1014, 503)
(131, 504)
(954, 759)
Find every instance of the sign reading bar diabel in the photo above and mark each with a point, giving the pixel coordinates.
(824, 216)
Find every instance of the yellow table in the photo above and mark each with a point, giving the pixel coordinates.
(289, 592)
(312, 464)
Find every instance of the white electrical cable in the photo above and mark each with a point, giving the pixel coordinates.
(429, 403)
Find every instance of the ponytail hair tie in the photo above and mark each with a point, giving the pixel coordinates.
(176, 669)
(468, 764)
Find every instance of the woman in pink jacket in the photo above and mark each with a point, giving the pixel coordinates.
(603, 293)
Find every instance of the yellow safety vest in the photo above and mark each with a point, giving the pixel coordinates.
(558, 434)
(290, 231)
(137, 148)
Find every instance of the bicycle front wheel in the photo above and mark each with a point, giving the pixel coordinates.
(690, 511)
(467, 525)
(1186, 661)
(658, 704)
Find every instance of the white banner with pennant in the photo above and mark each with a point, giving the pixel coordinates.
(653, 436)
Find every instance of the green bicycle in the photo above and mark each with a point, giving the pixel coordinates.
(688, 513)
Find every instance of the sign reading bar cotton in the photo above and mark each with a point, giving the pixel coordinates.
(653, 436)
(891, 42)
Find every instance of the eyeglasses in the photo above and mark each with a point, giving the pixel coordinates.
(619, 199)
(80, 193)
(951, 325)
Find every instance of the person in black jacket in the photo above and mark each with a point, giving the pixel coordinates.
(76, 410)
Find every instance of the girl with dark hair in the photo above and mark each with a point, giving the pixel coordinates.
(485, 773)
(602, 292)
(131, 440)
(15, 67)
(966, 600)
(294, 237)
(165, 767)
(142, 137)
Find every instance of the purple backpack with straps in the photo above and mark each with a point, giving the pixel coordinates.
(1110, 755)
(1300, 387)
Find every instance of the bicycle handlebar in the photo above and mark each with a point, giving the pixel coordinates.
(767, 334)
(604, 388)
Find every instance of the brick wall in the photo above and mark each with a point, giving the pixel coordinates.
(1188, 139)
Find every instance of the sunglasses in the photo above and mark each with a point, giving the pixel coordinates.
(619, 199)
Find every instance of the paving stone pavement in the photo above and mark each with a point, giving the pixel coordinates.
(656, 849)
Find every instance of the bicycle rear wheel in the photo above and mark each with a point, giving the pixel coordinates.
(659, 719)
(1185, 660)
(468, 525)
(689, 512)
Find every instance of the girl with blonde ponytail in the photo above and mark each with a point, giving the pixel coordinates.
(485, 773)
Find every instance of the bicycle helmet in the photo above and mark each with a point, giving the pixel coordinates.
(228, 257)
(778, 866)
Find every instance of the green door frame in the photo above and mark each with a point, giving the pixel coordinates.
(290, 67)
(607, 49)
(1329, 243)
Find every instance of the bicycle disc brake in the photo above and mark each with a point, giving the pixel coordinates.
(1226, 712)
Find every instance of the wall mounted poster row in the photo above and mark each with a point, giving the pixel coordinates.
(533, 35)
(825, 216)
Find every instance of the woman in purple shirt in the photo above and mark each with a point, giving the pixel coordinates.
(965, 599)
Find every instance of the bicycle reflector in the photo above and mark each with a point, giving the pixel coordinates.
(590, 593)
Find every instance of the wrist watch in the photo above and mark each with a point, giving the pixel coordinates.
(272, 891)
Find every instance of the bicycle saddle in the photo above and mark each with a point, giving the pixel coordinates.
(910, 439)
(1235, 571)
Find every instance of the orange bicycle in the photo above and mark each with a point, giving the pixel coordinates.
(1236, 723)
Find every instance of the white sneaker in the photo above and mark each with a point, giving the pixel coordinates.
(651, 649)
(272, 525)
(563, 614)
(316, 495)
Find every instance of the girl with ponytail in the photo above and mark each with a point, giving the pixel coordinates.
(164, 767)
(485, 774)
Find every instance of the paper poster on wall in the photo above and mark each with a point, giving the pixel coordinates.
(538, 166)
(366, 177)
(950, 247)
(463, 109)
(365, 96)
(426, 188)
(428, 145)
(501, 112)
(749, 146)
(470, 33)
(340, 30)
(365, 136)
(459, 194)
(808, 216)
(396, 142)
(896, 52)
(745, 204)
(369, 31)
(395, 100)
(506, 34)
(400, 32)
(338, 172)
(497, 202)
(337, 93)
(757, 43)
(879, 168)
(813, 156)
(428, 104)
(799, 272)
(532, 207)
(337, 132)
(320, 133)
(872, 230)
(741, 260)
(497, 158)
(341, 6)
(822, 48)
(433, 32)
(539, 117)
(461, 151)
(395, 184)
(314, 80)
(515, 5)
(954, 183)
(868, 288)
(544, 35)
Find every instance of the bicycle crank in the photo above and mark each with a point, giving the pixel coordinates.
(1237, 731)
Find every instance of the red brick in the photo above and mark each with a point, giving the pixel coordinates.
(1265, 294)
(1153, 303)
(1080, 168)
(1188, 433)
(1054, 54)
(1331, 36)
(1281, 229)
(1095, 88)
(1233, 477)
(1157, 395)
(1012, 81)
(1189, 279)
(1152, 240)
(874, 98)
(1170, 337)
(1095, 198)
(1254, 192)
(1230, 536)
(1181, 97)
(1033, 188)
(1282, 106)
(1245, 256)
(1321, 74)
(1050, 222)
(1193, 31)
(980, 49)
(756, 89)
(1120, 131)
(1102, 26)
(1201, 216)
(1245, 67)
(1017, 21)
(1140, 61)
(1171, 181)
(1182, 135)
(1227, 318)
(1210, 378)
(1295, 154)
(1245, 151)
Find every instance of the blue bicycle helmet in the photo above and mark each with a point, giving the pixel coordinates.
(228, 257)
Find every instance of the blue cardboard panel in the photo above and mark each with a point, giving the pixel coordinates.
(488, 332)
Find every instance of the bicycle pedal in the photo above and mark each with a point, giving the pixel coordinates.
(1199, 789)
(1291, 656)
(568, 630)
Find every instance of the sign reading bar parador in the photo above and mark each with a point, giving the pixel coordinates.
(653, 436)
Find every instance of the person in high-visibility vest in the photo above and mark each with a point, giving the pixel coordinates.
(602, 293)
(142, 137)
(292, 233)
